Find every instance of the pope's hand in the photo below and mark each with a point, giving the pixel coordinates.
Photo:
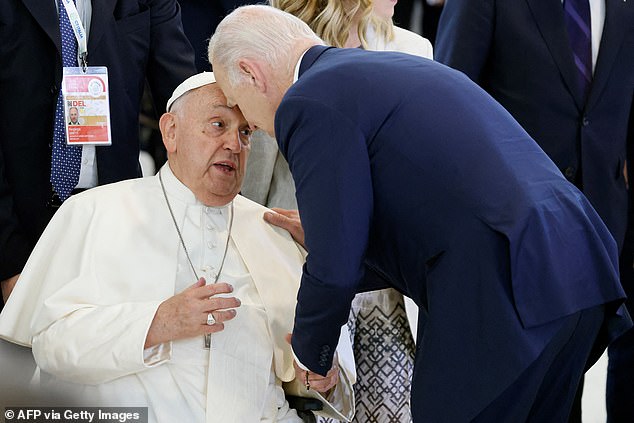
(185, 315)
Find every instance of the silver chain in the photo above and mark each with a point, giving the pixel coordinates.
(180, 236)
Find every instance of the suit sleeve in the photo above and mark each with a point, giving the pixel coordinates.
(171, 58)
(329, 161)
(14, 246)
(465, 35)
(340, 402)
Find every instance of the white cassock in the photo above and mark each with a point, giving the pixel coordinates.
(111, 255)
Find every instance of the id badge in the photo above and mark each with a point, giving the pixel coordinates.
(86, 105)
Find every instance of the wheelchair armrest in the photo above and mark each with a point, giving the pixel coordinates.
(304, 404)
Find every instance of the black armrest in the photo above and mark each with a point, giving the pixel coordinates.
(304, 404)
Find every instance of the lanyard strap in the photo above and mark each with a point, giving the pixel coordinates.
(78, 29)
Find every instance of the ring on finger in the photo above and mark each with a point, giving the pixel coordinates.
(210, 319)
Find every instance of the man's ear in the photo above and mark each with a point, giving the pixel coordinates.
(253, 70)
(167, 125)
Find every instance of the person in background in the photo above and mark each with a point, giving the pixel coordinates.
(621, 351)
(431, 11)
(108, 304)
(563, 69)
(73, 114)
(378, 320)
(136, 40)
(200, 18)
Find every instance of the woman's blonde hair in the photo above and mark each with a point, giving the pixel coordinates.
(331, 19)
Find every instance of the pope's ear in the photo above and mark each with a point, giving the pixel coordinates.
(253, 71)
(167, 125)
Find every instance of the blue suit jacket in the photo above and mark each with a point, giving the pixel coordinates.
(518, 51)
(135, 39)
(409, 173)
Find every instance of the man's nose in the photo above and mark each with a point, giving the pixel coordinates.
(232, 142)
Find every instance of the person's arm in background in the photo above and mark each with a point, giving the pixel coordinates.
(465, 35)
(7, 286)
(171, 59)
(14, 246)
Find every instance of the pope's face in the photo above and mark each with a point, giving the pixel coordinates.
(211, 145)
(256, 106)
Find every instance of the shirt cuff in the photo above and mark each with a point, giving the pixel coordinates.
(157, 354)
(299, 363)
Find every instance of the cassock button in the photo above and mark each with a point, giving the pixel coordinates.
(585, 121)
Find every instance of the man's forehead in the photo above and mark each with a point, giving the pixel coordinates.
(213, 90)
(210, 94)
(217, 97)
(213, 96)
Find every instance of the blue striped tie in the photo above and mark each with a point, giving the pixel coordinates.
(66, 159)
(577, 17)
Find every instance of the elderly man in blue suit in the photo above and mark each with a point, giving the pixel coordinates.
(409, 175)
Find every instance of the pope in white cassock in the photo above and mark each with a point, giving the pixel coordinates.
(108, 301)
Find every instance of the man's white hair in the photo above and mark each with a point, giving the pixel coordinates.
(258, 32)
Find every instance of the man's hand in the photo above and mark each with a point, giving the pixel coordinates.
(185, 314)
(7, 286)
(317, 382)
(289, 220)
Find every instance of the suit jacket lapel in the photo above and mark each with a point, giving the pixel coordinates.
(549, 17)
(614, 32)
(45, 13)
(102, 12)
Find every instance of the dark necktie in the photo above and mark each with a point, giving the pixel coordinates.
(66, 159)
(577, 17)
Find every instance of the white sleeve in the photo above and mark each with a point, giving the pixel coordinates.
(96, 344)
